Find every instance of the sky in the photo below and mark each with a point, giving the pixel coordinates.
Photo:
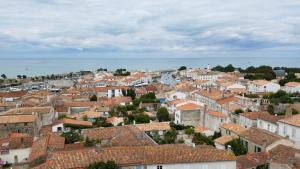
(190, 27)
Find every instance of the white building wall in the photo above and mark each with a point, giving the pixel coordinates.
(205, 165)
(271, 127)
(21, 154)
(246, 122)
(56, 127)
(292, 132)
(291, 89)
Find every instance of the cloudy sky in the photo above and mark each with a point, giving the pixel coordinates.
(145, 26)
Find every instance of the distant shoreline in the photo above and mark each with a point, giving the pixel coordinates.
(47, 66)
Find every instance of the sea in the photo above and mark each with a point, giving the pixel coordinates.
(56, 65)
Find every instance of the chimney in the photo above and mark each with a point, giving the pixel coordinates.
(98, 147)
(133, 122)
(193, 145)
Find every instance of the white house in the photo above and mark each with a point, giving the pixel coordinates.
(290, 127)
(64, 125)
(268, 122)
(249, 119)
(16, 148)
(263, 86)
(214, 119)
(188, 113)
(176, 95)
(292, 87)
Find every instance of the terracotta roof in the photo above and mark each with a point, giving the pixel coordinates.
(29, 110)
(42, 145)
(200, 129)
(105, 89)
(80, 104)
(189, 106)
(154, 126)
(214, 94)
(260, 82)
(39, 149)
(199, 82)
(119, 135)
(115, 119)
(140, 155)
(292, 120)
(151, 88)
(19, 140)
(236, 128)
(281, 153)
(74, 122)
(55, 142)
(177, 101)
(252, 160)
(217, 114)
(118, 100)
(293, 84)
(17, 119)
(270, 118)
(253, 115)
(13, 94)
(223, 139)
(89, 114)
(227, 100)
(8, 104)
(259, 136)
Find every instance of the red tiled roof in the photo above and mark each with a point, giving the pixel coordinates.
(140, 155)
(119, 135)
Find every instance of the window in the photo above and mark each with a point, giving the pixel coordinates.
(257, 149)
(25, 124)
(284, 130)
(269, 126)
(228, 132)
(245, 144)
(260, 123)
(159, 167)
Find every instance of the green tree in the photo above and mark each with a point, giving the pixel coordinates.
(103, 165)
(85, 117)
(129, 92)
(189, 131)
(142, 118)
(294, 111)
(93, 98)
(71, 137)
(229, 68)
(201, 139)
(238, 111)
(170, 137)
(4, 76)
(182, 68)
(163, 114)
(237, 147)
(89, 142)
